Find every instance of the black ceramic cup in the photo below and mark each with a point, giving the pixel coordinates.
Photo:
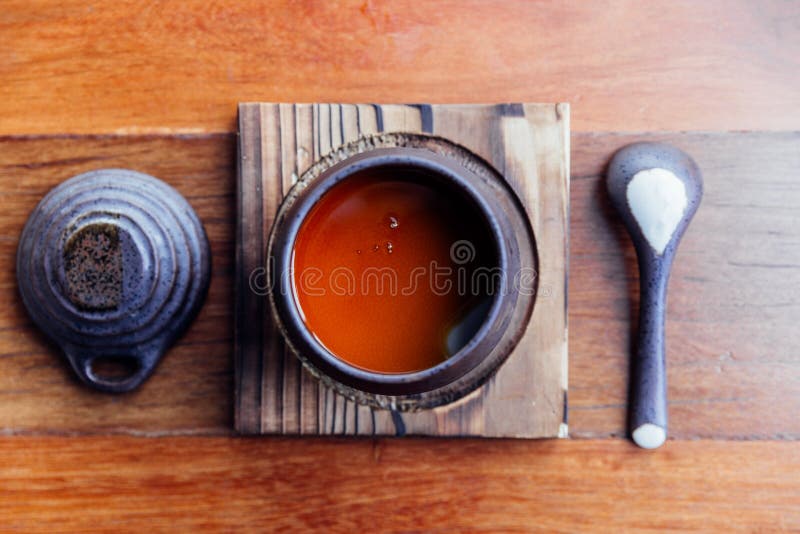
(493, 201)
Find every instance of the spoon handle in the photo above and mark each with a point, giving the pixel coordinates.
(648, 403)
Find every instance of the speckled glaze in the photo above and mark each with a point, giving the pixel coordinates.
(113, 264)
(648, 405)
(474, 363)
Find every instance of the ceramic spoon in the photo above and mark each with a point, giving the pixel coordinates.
(656, 188)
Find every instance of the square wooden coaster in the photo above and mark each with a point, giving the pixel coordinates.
(526, 143)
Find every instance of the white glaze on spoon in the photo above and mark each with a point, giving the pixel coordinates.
(658, 200)
(649, 436)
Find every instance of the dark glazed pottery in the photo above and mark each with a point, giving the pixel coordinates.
(479, 358)
(113, 265)
(656, 189)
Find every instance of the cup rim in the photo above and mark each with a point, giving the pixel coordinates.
(287, 310)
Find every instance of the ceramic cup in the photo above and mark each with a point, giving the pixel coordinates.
(491, 199)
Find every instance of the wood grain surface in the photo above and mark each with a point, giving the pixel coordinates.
(182, 65)
(527, 143)
(732, 350)
(158, 81)
(418, 485)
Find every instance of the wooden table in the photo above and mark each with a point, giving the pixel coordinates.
(154, 86)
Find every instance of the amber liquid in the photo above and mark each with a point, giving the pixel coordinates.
(364, 263)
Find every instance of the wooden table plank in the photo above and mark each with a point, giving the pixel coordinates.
(181, 66)
(130, 484)
(733, 352)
